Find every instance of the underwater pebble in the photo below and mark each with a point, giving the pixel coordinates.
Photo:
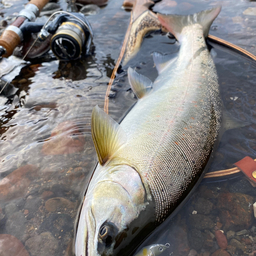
(58, 204)
(59, 224)
(221, 239)
(196, 239)
(242, 232)
(16, 183)
(32, 204)
(235, 211)
(16, 225)
(200, 221)
(230, 234)
(220, 252)
(65, 139)
(11, 246)
(250, 11)
(44, 245)
(203, 206)
(192, 252)
(46, 194)
(10, 209)
(237, 244)
(90, 9)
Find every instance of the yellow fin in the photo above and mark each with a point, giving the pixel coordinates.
(107, 135)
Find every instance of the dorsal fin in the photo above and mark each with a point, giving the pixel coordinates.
(161, 61)
(107, 135)
(140, 84)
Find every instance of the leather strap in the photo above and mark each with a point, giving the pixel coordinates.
(248, 166)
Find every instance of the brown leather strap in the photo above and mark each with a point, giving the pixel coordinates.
(248, 166)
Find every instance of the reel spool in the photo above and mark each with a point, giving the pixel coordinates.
(72, 35)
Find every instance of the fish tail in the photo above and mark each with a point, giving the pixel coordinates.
(176, 23)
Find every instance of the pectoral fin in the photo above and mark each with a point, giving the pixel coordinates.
(140, 84)
(107, 135)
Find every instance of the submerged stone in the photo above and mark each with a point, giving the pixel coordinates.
(11, 246)
(65, 139)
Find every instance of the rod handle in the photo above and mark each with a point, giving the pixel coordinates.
(39, 3)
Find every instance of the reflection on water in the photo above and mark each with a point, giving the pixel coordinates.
(47, 154)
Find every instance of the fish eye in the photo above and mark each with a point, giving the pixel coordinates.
(103, 231)
(107, 233)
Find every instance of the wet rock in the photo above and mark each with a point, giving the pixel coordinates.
(196, 239)
(65, 139)
(32, 204)
(250, 11)
(90, 9)
(59, 224)
(220, 252)
(200, 221)
(235, 211)
(44, 245)
(221, 239)
(11, 246)
(97, 2)
(230, 234)
(50, 8)
(3, 23)
(16, 225)
(10, 209)
(59, 204)
(242, 232)
(192, 253)
(237, 244)
(202, 206)
(2, 216)
(46, 194)
(242, 186)
(16, 183)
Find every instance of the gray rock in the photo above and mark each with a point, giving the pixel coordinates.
(237, 244)
(242, 232)
(90, 9)
(200, 221)
(250, 11)
(16, 225)
(10, 209)
(44, 245)
(196, 239)
(32, 204)
(230, 234)
(192, 253)
(203, 206)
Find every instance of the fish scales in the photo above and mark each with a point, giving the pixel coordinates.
(151, 160)
(177, 123)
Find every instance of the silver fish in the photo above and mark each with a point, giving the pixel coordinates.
(153, 250)
(149, 163)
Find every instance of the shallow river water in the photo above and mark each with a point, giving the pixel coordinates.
(47, 155)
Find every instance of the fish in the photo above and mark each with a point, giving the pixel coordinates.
(152, 250)
(150, 161)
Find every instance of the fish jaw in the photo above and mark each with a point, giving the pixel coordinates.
(112, 203)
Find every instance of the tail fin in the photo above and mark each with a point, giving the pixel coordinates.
(175, 23)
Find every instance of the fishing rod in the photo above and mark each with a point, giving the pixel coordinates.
(13, 35)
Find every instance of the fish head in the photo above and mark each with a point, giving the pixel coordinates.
(111, 214)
